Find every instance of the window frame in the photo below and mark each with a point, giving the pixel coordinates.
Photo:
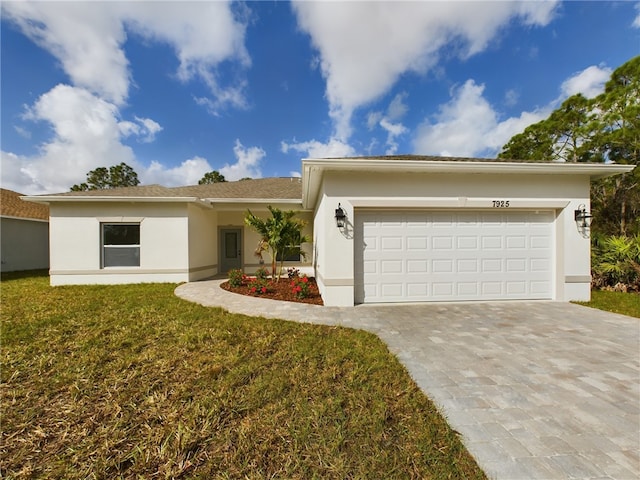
(103, 246)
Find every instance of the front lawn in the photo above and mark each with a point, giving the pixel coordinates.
(132, 382)
(617, 302)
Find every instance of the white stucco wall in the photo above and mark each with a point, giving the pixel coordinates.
(24, 244)
(203, 242)
(359, 190)
(179, 242)
(76, 250)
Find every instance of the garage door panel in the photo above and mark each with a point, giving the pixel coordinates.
(391, 266)
(391, 243)
(491, 242)
(417, 266)
(438, 256)
(418, 244)
(417, 291)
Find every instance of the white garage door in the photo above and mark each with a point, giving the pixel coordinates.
(453, 256)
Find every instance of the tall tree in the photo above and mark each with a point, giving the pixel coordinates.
(603, 129)
(212, 177)
(617, 139)
(121, 175)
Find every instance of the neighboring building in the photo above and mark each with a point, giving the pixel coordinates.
(24, 233)
(417, 229)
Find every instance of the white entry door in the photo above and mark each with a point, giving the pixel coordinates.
(417, 256)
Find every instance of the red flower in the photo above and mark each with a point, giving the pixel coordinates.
(264, 289)
(305, 279)
(298, 289)
(253, 289)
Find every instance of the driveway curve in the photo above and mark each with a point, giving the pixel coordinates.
(538, 390)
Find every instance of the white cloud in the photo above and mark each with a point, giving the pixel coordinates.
(636, 21)
(142, 127)
(203, 35)
(334, 148)
(23, 132)
(393, 130)
(589, 82)
(397, 108)
(511, 97)
(247, 165)
(469, 126)
(373, 119)
(86, 135)
(88, 39)
(364, 47)
(188, 172)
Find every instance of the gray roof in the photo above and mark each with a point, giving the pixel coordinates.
(260, 188)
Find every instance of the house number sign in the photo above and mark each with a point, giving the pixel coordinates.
(501, 203)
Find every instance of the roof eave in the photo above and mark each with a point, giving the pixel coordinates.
(254, 200)
(313, 169)
(106, 198)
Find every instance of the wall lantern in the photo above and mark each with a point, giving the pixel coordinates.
(582, 217)
(340, 217)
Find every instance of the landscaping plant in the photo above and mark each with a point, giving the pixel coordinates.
(281, 235)
(300, 286)
(236, 277)
(258, 286)
(616, 262)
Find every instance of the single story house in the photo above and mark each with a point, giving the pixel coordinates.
(412, 229)
(24, 233)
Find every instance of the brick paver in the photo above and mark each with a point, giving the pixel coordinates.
(538, 390)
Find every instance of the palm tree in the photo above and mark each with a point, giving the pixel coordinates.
(281, 235)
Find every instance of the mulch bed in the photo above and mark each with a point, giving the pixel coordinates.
(280, 290)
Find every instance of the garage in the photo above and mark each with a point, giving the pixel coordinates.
(453, 255)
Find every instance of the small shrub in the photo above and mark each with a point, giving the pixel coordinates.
(300, 286)
(616, 263)
(262, 274)
(293, 273)
(236, 277)
(258, 286)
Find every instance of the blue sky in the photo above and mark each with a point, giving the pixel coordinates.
(176, 89)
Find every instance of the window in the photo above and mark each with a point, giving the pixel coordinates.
(120, 244)
(292, 253)
(291, 257)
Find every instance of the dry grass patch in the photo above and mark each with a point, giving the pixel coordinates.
(132, 382)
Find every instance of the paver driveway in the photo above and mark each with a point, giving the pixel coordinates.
(538, 390)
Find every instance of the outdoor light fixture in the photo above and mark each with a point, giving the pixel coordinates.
(582, 217)
(340, 217)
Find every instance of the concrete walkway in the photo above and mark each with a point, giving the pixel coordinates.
(538, 390)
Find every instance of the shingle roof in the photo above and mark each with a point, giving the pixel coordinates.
(259, 188)
(142, 191)
(12, 206)
(262, 188)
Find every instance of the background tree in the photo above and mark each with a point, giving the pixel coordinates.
(280, 235)
(121, 175)
(211, 177)
(603, 129)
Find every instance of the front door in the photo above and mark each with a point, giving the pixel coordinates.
(230, 249)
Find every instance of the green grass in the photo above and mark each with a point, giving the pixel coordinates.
(617, 302)
(129, 381)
